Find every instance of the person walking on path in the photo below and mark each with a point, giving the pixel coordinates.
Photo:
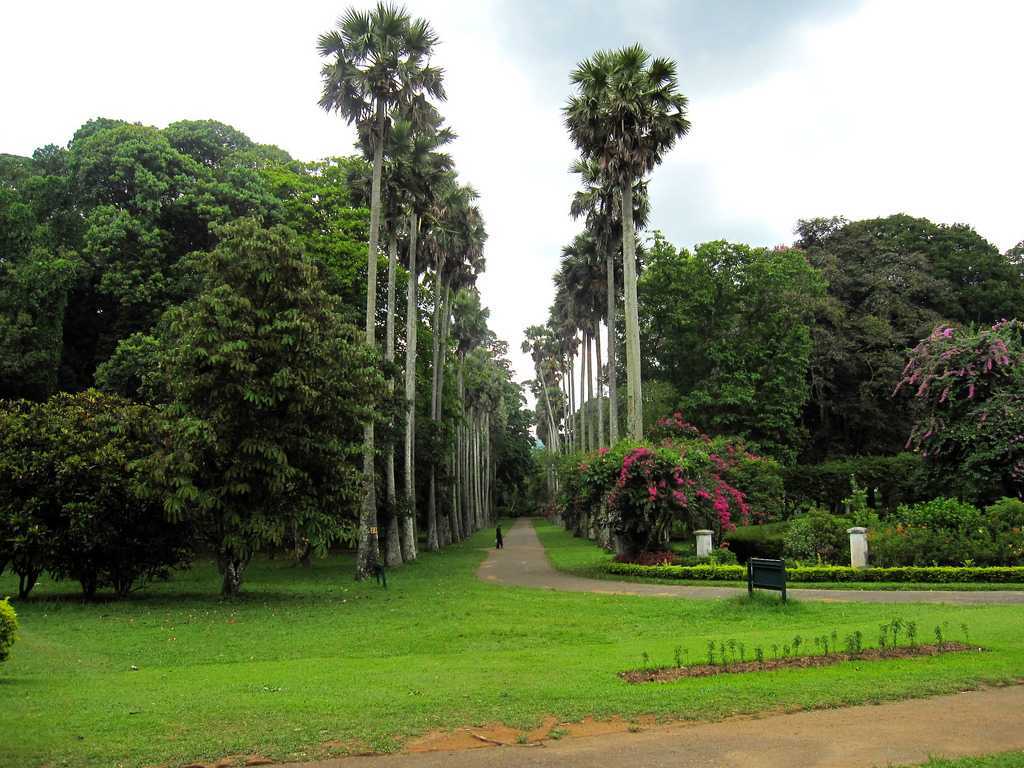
(499, 542)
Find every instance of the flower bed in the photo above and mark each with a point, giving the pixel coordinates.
(826, 573)
(668, 674)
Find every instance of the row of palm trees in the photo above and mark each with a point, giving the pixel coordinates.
(625, 114)
(378, 76)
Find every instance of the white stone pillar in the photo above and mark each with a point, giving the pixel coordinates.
(703, 543)
(858, 547)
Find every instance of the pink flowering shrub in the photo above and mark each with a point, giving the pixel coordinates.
(970, 385)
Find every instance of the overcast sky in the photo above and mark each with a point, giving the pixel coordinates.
(799, 108)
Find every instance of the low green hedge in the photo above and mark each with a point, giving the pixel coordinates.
(826, 573)
(765, 540)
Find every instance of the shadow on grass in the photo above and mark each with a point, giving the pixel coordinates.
(766, 603)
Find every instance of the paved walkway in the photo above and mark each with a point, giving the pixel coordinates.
(900, 733)
(523, 563)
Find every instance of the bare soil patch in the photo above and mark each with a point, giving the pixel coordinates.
(668, 674)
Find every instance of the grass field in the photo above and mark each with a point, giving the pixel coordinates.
(308, 663)
(582, 557)
(1003, 760)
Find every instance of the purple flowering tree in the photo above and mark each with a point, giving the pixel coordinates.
(969, 384)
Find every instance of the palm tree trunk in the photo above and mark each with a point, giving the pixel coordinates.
(613, 402)
(487, 499)
(583, 392)
(552, 433)
(572, 407)
(368, 552)
(433, 542)
(634, 391)
(600, 405)
(445, 521)
(591, 442)
(408, 537)
(392, 545)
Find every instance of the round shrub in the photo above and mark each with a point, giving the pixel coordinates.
(8, 628)
(1006, 515)
(816, 536)
(941, 514)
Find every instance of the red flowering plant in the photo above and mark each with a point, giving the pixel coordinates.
(658, 484)
(969, 382)
(735, 462)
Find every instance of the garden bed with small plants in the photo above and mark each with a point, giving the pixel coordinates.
(730, 657)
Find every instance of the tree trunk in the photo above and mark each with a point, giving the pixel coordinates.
(588, 343)
(613, 403)
(392, 545)
(408, 537)
(583, 393)
(230, 567)
(369, 549)
(447, 530)
(600, 405)
(634, 392)
(433, 543)
(571, 421)
(552, 427)
(26, 581)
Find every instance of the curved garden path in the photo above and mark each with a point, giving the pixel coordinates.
(523, 563)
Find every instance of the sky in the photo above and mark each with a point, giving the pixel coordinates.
(799, 108)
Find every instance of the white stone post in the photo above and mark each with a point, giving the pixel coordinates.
(858, 547)
(703, 543)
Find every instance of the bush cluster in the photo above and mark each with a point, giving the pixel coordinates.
(829, 573)
(640, 491)
(817, 536)
(8, 628)
(950, 532)
(73, 496)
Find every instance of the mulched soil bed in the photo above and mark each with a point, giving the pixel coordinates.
(668, 674)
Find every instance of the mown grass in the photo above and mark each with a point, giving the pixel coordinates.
(308, 662)
(1001, 760)
(583, 557)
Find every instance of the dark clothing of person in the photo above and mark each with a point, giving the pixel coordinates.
(499, 542)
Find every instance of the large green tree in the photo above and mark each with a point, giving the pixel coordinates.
(627, 113)
(729, 326)
(269, 387)
(377, 61)
(890, 281)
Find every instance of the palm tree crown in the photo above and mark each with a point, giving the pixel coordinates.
(378, 60)
(627, 112)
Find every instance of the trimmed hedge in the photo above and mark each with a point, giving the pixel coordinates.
(889, 480)
(766, 540)
(829, 573)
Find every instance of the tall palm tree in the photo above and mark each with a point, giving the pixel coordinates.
(626, 114)
(540, 344)
(469, 330)
(376, 61)
(423, 173)
(455, 241)
(598, 202)
(580, 284)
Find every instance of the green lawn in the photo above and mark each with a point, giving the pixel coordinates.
(583, 557)
(1002, 760)
(309, 657)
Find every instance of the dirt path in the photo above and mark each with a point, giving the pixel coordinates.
(905, 732)
(523, 563)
